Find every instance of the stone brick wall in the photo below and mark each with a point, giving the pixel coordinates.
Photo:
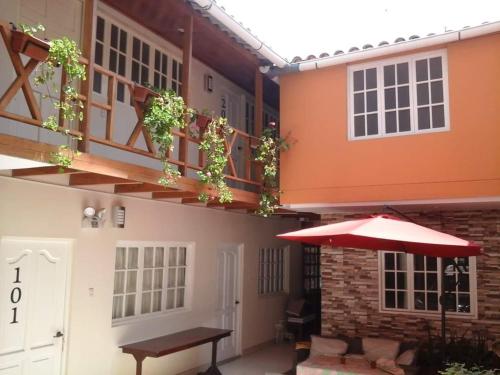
(350, 282)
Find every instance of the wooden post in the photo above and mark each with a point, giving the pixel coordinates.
(187, 52)
(88, 39)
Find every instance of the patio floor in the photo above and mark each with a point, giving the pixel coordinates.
(273, 359)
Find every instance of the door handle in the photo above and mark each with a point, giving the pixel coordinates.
(236, 302)
(58, 334)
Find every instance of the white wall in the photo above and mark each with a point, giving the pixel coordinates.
(31, 209)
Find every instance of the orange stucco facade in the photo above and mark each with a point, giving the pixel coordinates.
(323, 166)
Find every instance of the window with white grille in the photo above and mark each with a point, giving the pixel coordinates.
(273, 270)
(151, 278)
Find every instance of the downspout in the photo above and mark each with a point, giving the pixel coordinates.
(220, 15)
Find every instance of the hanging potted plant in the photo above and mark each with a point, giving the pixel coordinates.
(24, 41)
(64, 53)
(143, 93)
(212, 175)
(164, 112)
(267, 154)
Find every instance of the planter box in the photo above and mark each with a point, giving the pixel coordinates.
(30, 46)
(142, 93)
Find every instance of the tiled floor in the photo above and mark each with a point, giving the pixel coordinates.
(274, 359)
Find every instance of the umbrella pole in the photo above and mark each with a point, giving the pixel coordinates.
(443, 310)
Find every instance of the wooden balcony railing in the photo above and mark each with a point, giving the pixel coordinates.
(243, 172)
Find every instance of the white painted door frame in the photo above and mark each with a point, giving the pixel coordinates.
(69, 244)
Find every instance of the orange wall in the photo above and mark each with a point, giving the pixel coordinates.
(324, 167)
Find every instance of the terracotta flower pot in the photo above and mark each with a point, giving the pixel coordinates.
(142, 93)
(202, 121)
(29, 45)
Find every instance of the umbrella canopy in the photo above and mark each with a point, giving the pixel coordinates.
(386, 232)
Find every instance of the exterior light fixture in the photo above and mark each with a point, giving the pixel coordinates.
(209, 83)
(93, 218)
(118, 215)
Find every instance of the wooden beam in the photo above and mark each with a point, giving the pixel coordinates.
(89, 33)
(39, 171)
(95, 179)
(140, 188)
(174, 194)
(192, 201)
(187, 54)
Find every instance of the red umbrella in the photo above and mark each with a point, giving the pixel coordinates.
(387, 232)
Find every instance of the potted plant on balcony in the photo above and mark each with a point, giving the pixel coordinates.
(267, 154)
(212, 175)
(64, 53)
(165, 111)
(24, 41)
(143, 92)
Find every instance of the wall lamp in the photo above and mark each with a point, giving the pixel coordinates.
(93, 218)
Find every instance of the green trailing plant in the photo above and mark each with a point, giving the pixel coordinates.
(212, 175)
(164, 113)
(268, 154)
(64, 53)
(460, 369)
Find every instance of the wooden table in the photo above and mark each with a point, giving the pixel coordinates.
(177, 342)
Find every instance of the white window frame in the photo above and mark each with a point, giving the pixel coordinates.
(379, 64)
(189, 279)
(264, 273)
(410, 290)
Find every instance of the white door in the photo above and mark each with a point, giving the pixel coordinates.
(32, 303)
(228, 299)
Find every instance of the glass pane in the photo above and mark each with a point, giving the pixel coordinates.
(131, 281)
(157, 301)
(389, 75)
(401, 280)
(164, 64)
(437, 92)
(404, 120)
(170, 298)
(359, 103)
(436, 67)
(146, 303)
(144, 75)
(464, 303)
(358, 80)
(372, 124)
(432, 281)
(419, 299)
(402, 73)
(424, 118)
(419, 281)
(120, 258)
(120, 92)
(145, 53)
(159, 256)
(171, 277)
(147, 280)
(130, 305)
(359, 126)
(390, 299)
(117, 307)
(119, 283)
(390, 98)
(121, 65)
(148, 257)
(158, 279)
(181, 277)
(112, 60)
(182, 256)
(431, 263)
(438, 116)
(463, 283)
(172, 257)
(451, 301)
(390, 281)
(389, 261)
(432, 301)
(114, 36)
(422, 93)
(100, 29)
(371, 78)
(401, 300)
(133, 257)
(180, 298)
(135, 71)
(422, 73)
(403, 96)
(123, 41)
(463, 264)
(136, 49)
(371, 101)
(401, 261)
(391, 125)
(97, 82)
(418, 261)
(157, 60)
(98, 53)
